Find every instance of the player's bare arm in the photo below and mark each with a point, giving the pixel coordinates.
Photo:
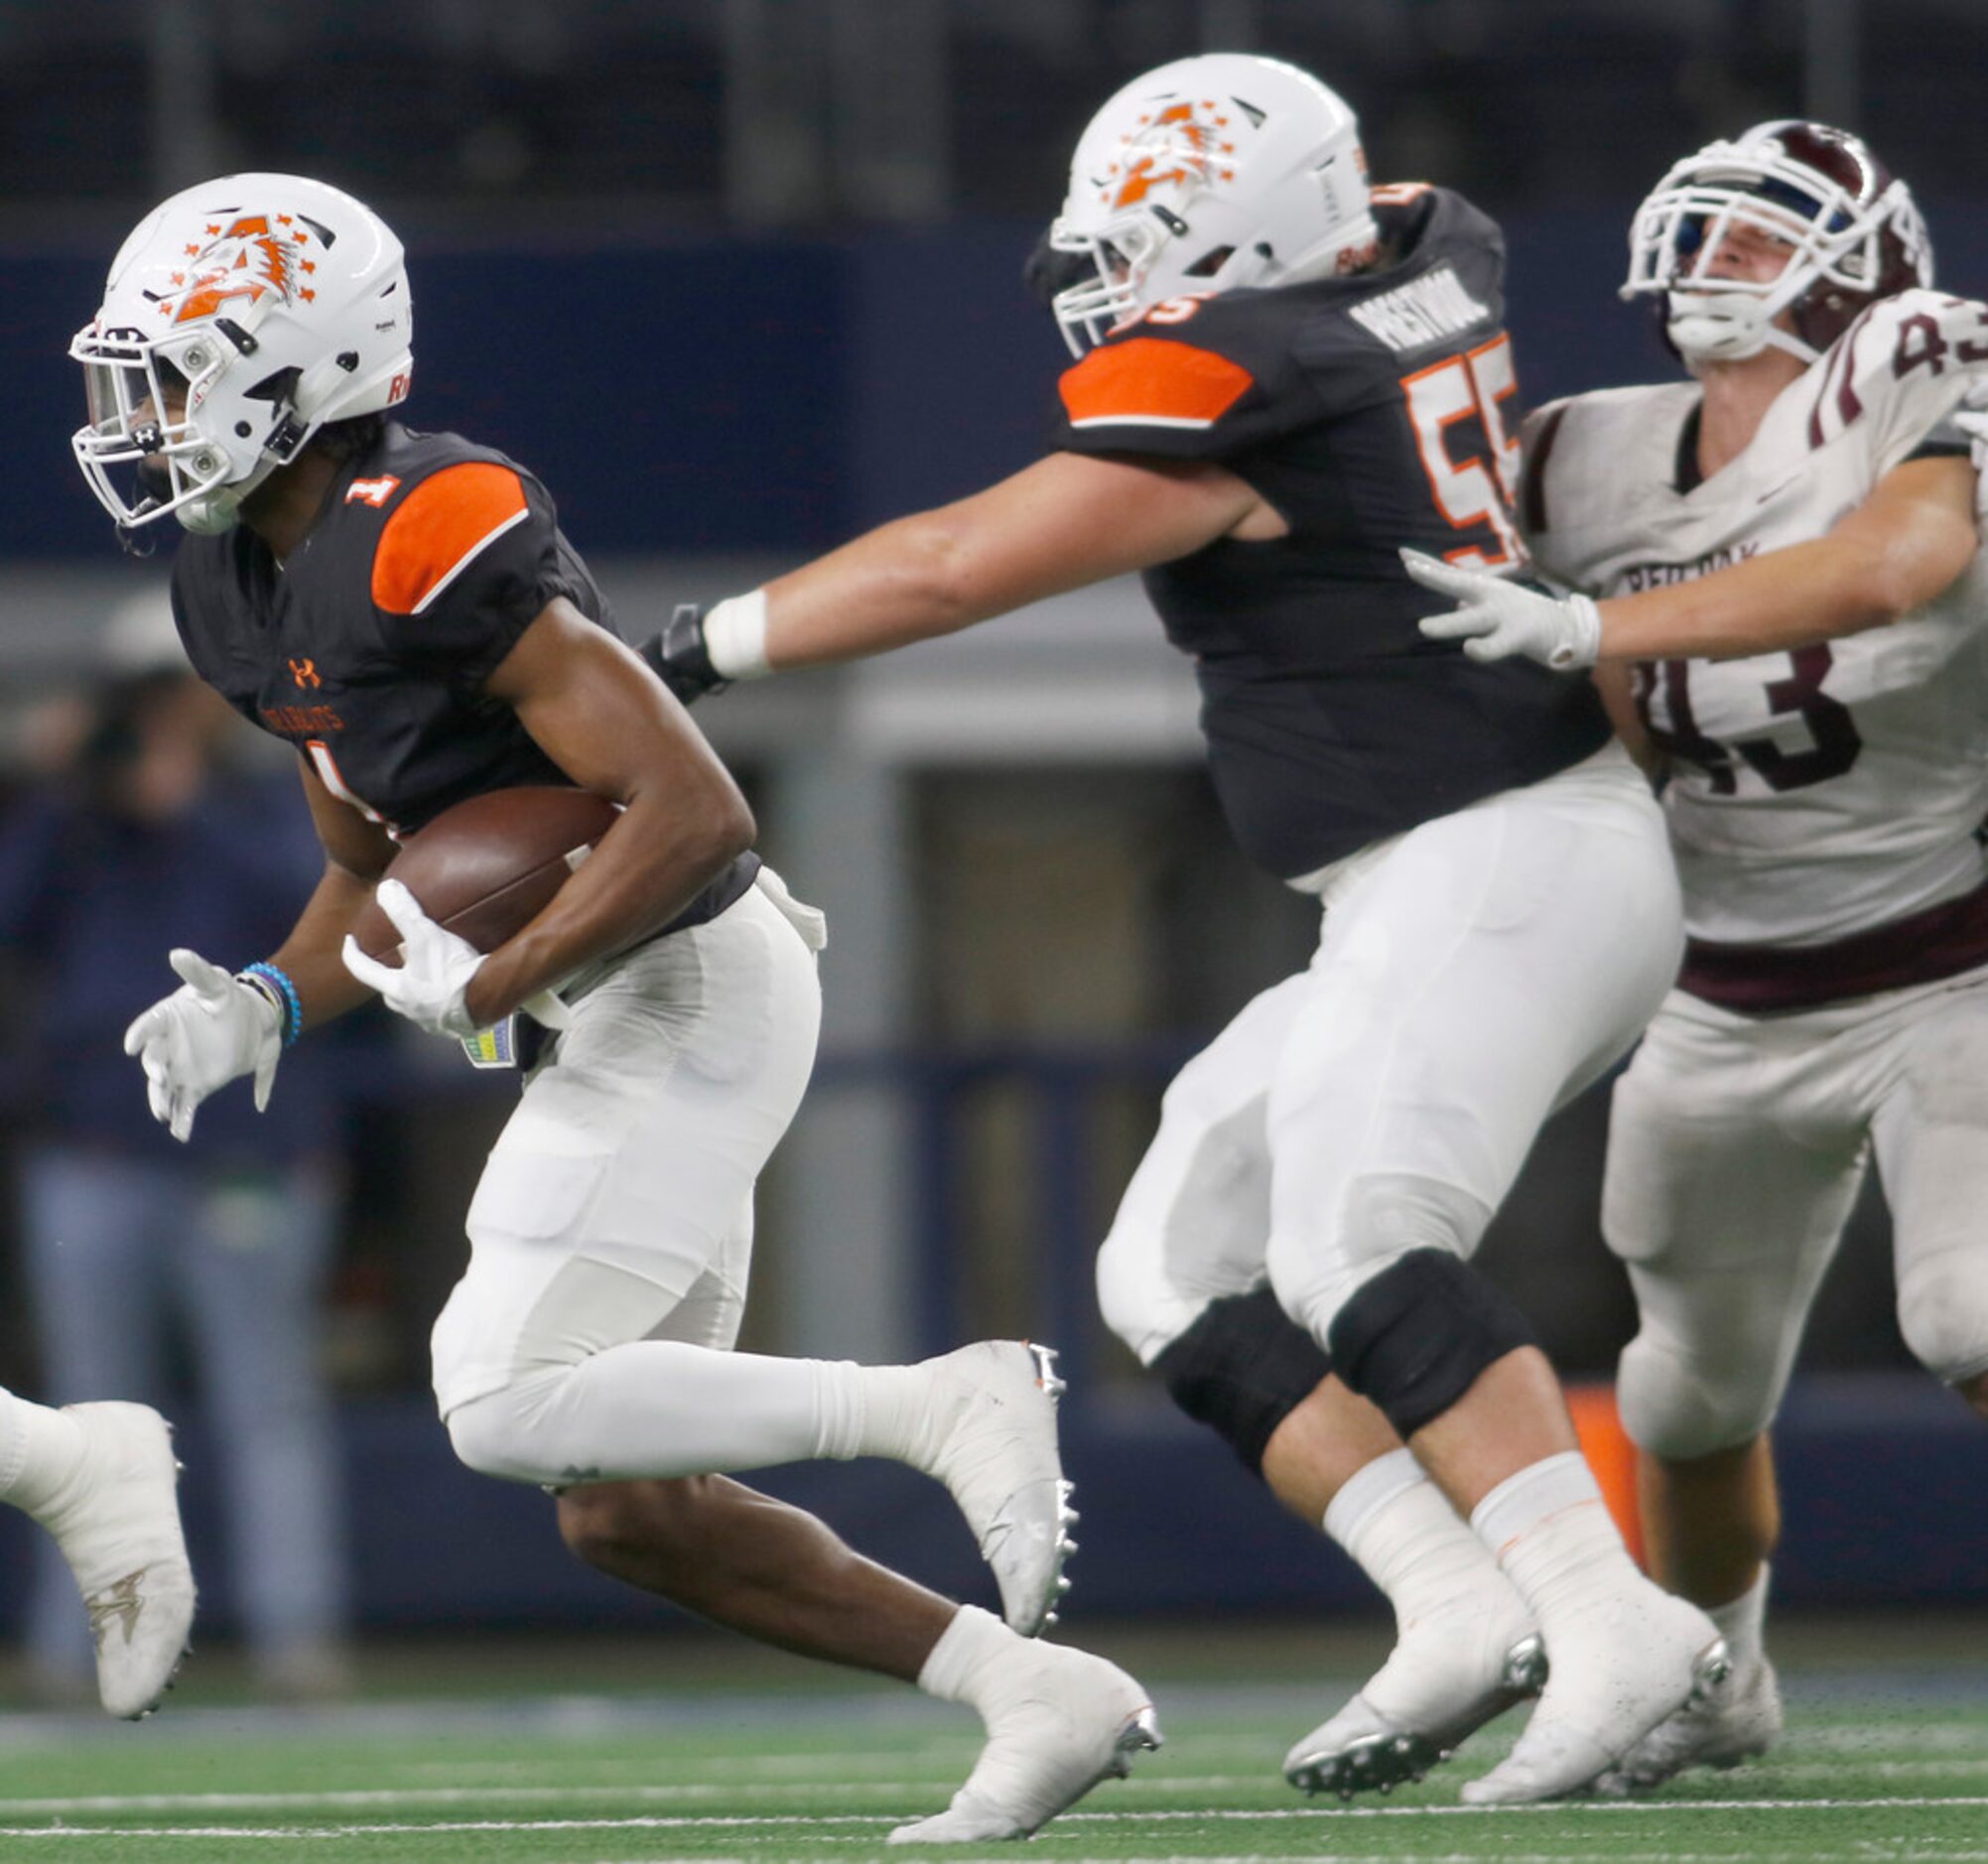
(356, 852)
(594, 710)
(1064, 522)
(1904, 545)
(1613, 680)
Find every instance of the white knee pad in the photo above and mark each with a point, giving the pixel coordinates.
(1136, 1304)
(1191, 1226)
(503, 1433)
(1943, 1311)
(1680, 1409)
(1385, 1217)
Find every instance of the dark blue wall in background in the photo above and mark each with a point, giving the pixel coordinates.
(735, 395)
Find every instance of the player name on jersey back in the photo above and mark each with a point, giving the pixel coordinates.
(1422, 312)
(1368, 409)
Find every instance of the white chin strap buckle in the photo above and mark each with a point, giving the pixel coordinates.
(208, 516)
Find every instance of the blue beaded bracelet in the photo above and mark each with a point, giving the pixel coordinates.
(291, 1006)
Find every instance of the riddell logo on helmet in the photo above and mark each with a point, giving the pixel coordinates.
(247, 257)
(1170, 149)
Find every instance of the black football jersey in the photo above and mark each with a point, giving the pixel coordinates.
(1372, 411)
(368, 649)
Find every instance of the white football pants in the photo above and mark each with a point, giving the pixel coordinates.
(1471, 976)
(612, 1233)
(1737, 1145)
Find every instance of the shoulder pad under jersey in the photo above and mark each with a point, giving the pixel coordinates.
(1895, 378)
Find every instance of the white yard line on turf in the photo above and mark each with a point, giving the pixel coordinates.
(1173, 1786)
(1587, 1809)
(1875, 1851)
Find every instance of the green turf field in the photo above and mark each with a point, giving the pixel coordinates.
(1879, 1764)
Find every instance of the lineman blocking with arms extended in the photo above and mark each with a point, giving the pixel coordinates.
(404, 611)
(1279, 371)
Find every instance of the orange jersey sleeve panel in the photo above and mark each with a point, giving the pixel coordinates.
(1147, 381)
(440, 530)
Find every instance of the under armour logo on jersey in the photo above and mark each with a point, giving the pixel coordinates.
(371, 492)
(305, 673)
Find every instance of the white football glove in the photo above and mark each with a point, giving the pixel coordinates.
(1494, 618)
(212, 1030)
(1971, 418)
(431, 981)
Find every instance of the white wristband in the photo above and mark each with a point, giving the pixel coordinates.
(734, 636)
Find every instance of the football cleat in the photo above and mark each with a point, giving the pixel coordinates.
(1621, 1665)
(1718, 1733)
(1362, 1749)
(118, 1527)
(993, 1412)
(1078, 1721)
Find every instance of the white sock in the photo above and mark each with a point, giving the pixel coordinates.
(40, 1451)
(873, 1410)
(973, 1663)
(1742, 1623)
(661, 1408)
(891, 1413)
(1407, 1538)
(1552, 1534)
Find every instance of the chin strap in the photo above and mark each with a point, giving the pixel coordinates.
(1685, 311)
(215, 511)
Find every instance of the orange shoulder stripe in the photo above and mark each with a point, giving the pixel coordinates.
(1154, 382)
(438, 529)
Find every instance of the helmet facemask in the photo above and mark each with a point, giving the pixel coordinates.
(1120, 256)
(146, 453)
(1852, 236)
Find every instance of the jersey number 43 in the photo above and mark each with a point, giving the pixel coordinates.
(1664, 699)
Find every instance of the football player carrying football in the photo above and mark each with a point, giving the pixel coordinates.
(1786, 556)
(1283, 376)
(404, 609)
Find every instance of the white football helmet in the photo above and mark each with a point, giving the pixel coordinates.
(1206, 174)
(1853, 232)
(239, 317)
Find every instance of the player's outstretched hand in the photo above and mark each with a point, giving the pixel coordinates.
(1971, 418)
(682, 657)
(432, 980)
(212, 1030)
(1495, 617)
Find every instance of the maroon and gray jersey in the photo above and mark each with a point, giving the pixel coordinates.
(1823, 801)
(1370, 411)
(369, 648)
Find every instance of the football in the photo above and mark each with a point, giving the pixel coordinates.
(486, 868)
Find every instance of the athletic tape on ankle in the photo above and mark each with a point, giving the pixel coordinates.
(1547, 1487)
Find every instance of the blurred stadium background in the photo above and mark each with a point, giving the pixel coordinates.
(739, 278)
